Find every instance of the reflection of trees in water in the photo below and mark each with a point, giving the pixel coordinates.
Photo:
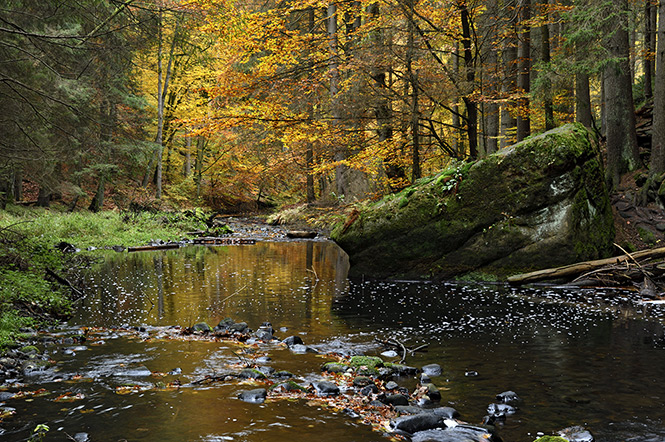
(289, 283)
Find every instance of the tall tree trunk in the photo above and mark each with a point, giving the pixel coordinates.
(524, 68)
(622, 151)
(187, 166)
(490, 85)
(383, 108)
(162, 88)
(649, 46)
(97, 202)
(335, 111)
(18, 184)
(547, 84)
(413, 83)
(583, 100)
(657, 166)
(309, 150)
(198, 166)
(509, 85)
(457, 145)
(469, 101)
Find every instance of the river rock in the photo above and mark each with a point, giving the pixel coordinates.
(282, 374)
(417, 422)
(334, 367)
(255, 396)
(432, 370)
(362, 381)
(201, 327)
(433, 392)
(540, 203)
(293, 340)
(507, 397)
(370, 389)
(459, 433)
(391, 385)
(500, 411)
(576, 434)
(445, 412)
(325, 388)
(251, 373)
(395, 399)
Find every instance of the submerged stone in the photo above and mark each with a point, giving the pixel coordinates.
(253, 396)
(432, 369)
(540, 203)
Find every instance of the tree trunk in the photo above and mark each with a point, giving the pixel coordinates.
(649, 46)
(335, 111)
(457, 145)
(97, 202)
(490, 107)
(383, 109)
(162, 88)
(622, 150)
(198, 167)
(547, 84)
(583, 100)
(471, 105)
(309, 151)
(413, 83)
(509, 85)
(657, 166)
(44, 197)
(18, 184)
(524, 68)
(187, 166)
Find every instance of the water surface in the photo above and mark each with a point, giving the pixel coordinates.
(590, 358)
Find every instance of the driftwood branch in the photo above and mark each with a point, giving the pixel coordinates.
(574, 270)
(65, 282)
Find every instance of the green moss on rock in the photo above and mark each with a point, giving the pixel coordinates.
(366, 361)
(540, 203)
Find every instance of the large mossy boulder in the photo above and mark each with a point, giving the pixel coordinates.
(540, 203)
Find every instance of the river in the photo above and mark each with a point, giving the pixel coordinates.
(575, 357)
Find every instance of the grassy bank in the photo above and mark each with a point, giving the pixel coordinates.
(28, 299)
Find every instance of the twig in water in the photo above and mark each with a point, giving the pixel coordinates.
(234, 293)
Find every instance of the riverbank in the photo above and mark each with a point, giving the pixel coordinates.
(35, 258)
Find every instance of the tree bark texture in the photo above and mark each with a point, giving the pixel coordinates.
(657, 166)
(622, 150)
(524, 68)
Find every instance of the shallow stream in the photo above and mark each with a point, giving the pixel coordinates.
(591, 358)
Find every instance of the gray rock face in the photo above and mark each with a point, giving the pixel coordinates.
(460, 433)
(540, 203)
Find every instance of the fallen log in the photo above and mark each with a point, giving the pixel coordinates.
(574, 270)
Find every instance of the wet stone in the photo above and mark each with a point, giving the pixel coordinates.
(576, 434)
(334, 367)
(389, 354)
(253, 396)
(395, 399)
(408, 409)
(201, 327)
(432, 370)
(362, 381)
(500, 411)
(250, 373)
(460, 433)
(507, 397)
(282, 374)
(370, 389)
(82, 437)
(293, 340)
(445, 412)
(417, 422)
(266, 370)
(391, 385)
(325, 388)
(433, 392)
